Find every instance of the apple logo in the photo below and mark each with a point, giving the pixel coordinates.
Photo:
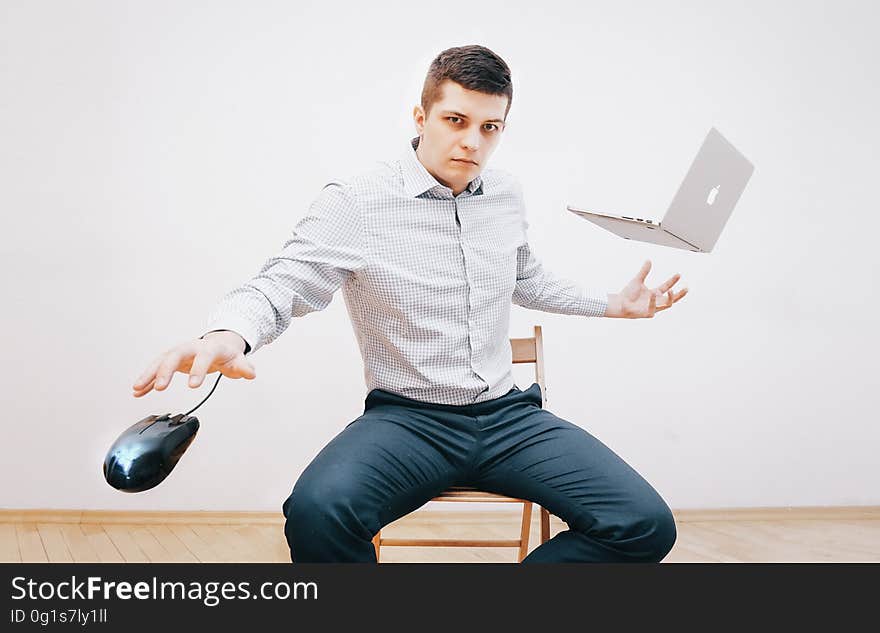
(712, 194)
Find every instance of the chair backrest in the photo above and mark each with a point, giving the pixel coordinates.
(531, 350)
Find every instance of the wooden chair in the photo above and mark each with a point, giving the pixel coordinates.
(523, 350)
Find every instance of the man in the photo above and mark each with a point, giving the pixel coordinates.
(430, 251)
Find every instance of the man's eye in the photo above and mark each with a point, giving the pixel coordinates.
(449, 118)
(495, 127)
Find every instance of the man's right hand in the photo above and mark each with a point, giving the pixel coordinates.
(221, 351)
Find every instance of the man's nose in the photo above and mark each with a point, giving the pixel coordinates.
(471, 140)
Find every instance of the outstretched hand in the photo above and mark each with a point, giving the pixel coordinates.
(637, 301)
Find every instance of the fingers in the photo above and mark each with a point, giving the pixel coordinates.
(196, 361)
(238, 367)
(665, 288)
(147, 380)
(199, 368)
(138, 392)
(666, 285)
(672, 298)
(166, 370)
(148, 376)
(643, 273)
(667, 300)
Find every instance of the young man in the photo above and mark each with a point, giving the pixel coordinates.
(430, 251)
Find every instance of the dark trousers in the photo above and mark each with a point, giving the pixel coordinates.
(401, 453)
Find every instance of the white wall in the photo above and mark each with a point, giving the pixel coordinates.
(154, 154)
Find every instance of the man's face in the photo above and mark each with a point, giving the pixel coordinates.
(459, 133)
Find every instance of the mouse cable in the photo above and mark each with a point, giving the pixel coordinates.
(206, 397)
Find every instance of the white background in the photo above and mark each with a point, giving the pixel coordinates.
(154, 154)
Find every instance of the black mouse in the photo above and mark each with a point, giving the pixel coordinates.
(147, 451)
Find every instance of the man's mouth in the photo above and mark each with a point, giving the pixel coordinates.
(464, 160)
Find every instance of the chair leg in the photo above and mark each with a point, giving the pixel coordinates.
(377, 541)
(545, 525)
(524, 530)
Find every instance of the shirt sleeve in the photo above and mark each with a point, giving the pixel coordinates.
(326, 247)
(539, 289)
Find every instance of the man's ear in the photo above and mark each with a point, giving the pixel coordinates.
(419, 118)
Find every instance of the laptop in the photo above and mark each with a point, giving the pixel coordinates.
(700, 208)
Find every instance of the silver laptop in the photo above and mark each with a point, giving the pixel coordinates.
(700, 208)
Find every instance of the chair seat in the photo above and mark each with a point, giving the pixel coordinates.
(468, 493)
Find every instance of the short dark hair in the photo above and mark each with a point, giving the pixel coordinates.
(474, 67)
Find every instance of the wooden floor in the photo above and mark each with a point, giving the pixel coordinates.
(810, 537)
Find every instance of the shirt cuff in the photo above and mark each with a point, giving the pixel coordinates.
(240, 326)
(593, 305)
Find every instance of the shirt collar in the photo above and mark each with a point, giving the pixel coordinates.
(417, 180)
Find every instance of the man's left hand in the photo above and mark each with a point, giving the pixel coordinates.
(637, 301)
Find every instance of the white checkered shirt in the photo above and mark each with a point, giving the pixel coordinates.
(427, 278)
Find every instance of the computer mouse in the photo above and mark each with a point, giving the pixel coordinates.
(147, 451)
